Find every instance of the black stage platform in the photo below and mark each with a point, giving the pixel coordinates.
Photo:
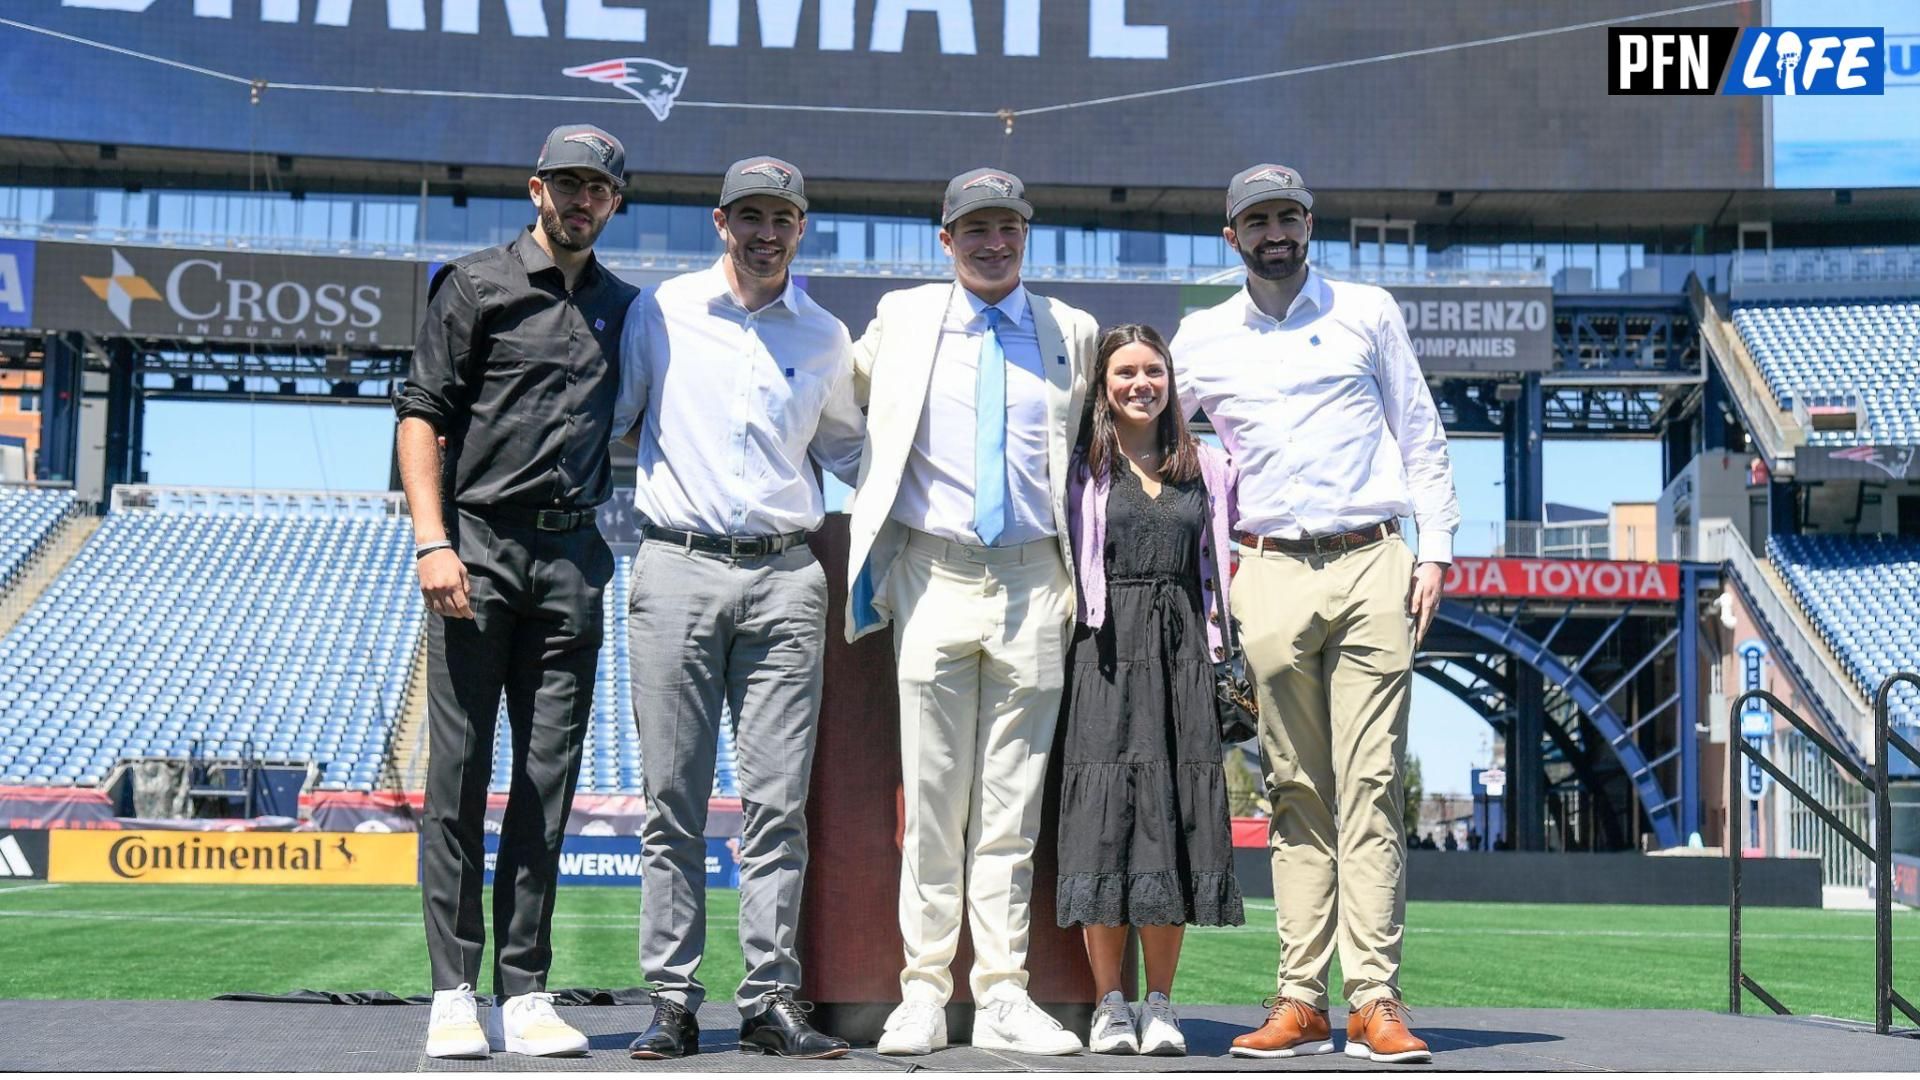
(204, 1036)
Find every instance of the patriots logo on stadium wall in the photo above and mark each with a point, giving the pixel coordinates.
(655, 83)
(1275, 175)
(772, 172)
(1892, 460)
(1000, 185)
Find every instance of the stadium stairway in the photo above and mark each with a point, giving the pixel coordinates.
(41, 570)
(407, 760)
(1774, 428)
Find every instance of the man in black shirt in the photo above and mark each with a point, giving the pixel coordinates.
(515, 375)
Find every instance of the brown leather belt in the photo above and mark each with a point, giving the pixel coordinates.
(1331, 544)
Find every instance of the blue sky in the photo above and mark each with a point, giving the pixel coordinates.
(1849, 142)
(337, 447)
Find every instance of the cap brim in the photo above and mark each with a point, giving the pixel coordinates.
(1019, 206)
(1299, 195)
(778, 193)
(618, 181)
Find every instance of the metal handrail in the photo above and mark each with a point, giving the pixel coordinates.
(1884, 737)
(1739, 748)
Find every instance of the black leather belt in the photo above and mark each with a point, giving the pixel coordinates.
(739, 547)
(544, 520)
(1330, 544)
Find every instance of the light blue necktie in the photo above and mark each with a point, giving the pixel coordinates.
(990, 435)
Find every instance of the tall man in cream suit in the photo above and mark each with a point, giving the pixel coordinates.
(973, 391)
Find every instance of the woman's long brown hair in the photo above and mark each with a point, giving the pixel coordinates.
(1179, 451)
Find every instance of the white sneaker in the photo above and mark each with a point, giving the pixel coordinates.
(527, 1025)
(1007, 1019)
(1112, 1031)
(1160, 1028)
(914, 1028)
(453, 1028)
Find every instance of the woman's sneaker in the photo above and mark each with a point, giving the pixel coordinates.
(1160, 1028)
(1113, 1031)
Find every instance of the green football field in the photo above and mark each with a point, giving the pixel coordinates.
(116, 941)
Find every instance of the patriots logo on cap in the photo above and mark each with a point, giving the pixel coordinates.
(655, 83)
(771, 171)
(600, 147)
(1274, 174)
(1000, 185)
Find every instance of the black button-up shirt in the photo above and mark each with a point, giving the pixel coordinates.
(520, 375)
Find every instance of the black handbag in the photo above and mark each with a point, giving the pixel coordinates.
(1233, 696)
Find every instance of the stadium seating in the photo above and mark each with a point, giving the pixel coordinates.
(28, 517)
(1871, 349)
(294, 634)
(610, 761)
(1863, 594)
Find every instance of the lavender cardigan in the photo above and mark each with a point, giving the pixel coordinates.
(1087, 521)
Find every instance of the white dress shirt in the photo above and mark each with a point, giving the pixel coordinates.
(731, 404)
(936, 490)
(1325, 412)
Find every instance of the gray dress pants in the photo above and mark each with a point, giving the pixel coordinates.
(536, 636)
(708, 630)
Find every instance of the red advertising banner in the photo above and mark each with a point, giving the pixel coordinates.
(1563, 579)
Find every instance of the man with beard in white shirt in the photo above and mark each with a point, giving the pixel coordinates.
(1314, 389)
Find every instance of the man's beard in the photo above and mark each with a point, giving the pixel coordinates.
(556, 229)
(1279, 271)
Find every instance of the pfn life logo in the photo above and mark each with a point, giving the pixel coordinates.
(1778, 60)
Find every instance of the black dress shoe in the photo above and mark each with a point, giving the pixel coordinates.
(673, 1034)
(781, 1028)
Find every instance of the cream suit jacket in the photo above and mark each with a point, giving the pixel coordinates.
(892, 370)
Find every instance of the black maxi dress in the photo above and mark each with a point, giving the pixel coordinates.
(1145, 837)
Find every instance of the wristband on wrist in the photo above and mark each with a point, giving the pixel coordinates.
(423, 550)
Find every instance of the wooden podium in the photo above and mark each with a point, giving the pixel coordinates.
(850, 946)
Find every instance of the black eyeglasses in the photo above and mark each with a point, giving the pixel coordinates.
(569, 186)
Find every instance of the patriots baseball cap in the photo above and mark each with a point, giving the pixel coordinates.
(1264, 183)
(984, 189)
(583, 146)
(764, 176)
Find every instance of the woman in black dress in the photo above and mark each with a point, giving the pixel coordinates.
(1145, 839)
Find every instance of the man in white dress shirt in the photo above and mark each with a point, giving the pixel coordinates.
(735, 385)
(1314, 389)
(974, 390)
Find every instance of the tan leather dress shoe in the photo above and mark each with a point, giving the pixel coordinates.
(1293, 1029)
(1378, 1032)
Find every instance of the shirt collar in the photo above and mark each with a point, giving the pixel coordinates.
(1314, 291)
(535, 258)
(714, 279)
(1013, 306)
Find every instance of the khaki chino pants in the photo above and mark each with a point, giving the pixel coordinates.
(1330, 647)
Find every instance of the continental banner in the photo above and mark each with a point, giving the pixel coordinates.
(240, 858)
